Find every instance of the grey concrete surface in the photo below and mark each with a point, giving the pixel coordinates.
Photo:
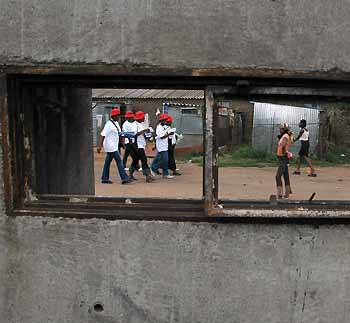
(56, 270)
(281, 34)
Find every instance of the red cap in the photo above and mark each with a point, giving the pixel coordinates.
(163, 117)
(115, 112)
(139, 115)
(170, 119)
(129, 114)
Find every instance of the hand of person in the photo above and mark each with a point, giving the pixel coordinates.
(98, 150)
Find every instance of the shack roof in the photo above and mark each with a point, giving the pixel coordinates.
(147, 94)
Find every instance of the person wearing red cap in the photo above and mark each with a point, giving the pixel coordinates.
(171, 150)
(130, 144)
(161, 158)
(110, 140)
(141, 144)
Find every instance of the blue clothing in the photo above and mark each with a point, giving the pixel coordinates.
(109, 157)
(161, 161)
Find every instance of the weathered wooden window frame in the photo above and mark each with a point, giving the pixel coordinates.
(208, 209)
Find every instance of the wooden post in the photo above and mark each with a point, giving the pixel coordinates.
(210, 168)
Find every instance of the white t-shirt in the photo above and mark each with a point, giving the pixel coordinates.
(111, 134)
(173, 139)
(162, 144)
(141, 141)
(129, 127)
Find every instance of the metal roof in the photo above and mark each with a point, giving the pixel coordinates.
(148, 94)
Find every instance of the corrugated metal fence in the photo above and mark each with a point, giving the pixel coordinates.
(267, 117)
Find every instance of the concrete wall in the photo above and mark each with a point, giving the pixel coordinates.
(51, 271)
(54, 270)
(307, 35)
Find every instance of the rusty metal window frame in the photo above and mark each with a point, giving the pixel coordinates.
(19, 200)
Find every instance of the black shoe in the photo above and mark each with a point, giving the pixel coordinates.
(312, 175)
(128, 181)
(296, 173)
(133, 178)
(176, 173)
(107, 182)
(157, 172)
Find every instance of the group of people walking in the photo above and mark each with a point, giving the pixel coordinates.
(133, 137)
(285, 139)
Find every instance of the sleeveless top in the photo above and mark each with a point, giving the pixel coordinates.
(285, 141)
(305, 135)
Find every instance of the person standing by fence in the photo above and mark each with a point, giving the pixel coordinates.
(304, 149)
(285, 140)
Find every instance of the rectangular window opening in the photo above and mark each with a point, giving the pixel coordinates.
(226, 147)
(55, 136)
(257, 170)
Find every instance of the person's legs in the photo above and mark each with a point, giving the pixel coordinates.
(145, 169)
(126, 154)
(297, 171)
(309, 163)
(171, 159)
(106, 167)
(143, 158)
(164, 163)
(123, 175)
(156, 162)
(135, 159)
(288, 189)
(172, 162)
(279, 174)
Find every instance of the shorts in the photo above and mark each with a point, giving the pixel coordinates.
(304, 149)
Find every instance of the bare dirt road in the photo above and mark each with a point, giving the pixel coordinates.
(332, 183)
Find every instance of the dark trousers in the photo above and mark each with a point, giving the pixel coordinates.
(171, 157)
(142, 156)
(132, 150)
(282, 170)
(109, 157)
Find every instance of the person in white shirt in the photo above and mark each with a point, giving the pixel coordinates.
(141, 144)
(171, 149)
(129, 126)
(110, 140)
(304, 149)
(161, 158)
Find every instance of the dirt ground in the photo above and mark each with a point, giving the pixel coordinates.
(332, 183)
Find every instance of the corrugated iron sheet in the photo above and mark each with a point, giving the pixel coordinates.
(267, 118)
(148, 94)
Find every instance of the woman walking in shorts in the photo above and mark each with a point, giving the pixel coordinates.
(304, 149)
